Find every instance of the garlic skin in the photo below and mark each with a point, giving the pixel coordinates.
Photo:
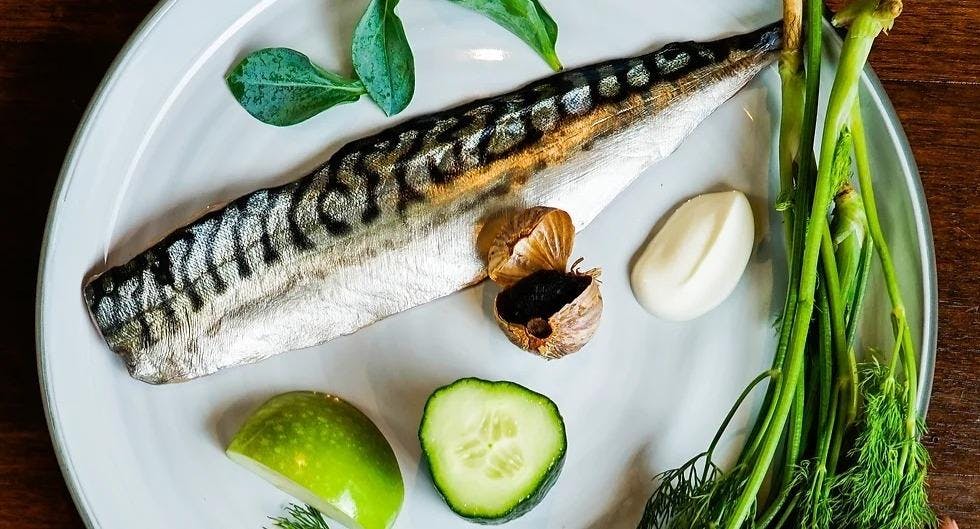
(563, 332)
(539, 238)
(696, 260)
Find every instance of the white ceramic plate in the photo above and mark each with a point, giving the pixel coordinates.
(163, 140)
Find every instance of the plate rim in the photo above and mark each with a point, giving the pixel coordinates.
(111, 77)
(869, 80)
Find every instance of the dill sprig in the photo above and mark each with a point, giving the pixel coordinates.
(866, 492)
(912, 510)
(816, 508)
(678, 488)
(680, 491)
(698, 494)
(694, 496)
(300, 517)
(897, 421)
(881, 490)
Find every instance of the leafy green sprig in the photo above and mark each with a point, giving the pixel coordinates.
(866, 492)
(300, 517)
(886, 487)
(282, 87)
(696, 494)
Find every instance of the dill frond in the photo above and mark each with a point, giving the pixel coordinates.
(697, 495)
(300, 517)
(878, 491)
(719, 506)
(679, 490)
(817, 508)
(912, 509)
(867, 491)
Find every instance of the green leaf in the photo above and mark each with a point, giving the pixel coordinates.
(382, 57)
(281, 87)
(525, 18)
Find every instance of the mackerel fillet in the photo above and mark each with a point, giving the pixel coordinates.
(394, 220)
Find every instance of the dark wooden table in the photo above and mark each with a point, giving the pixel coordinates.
(54, 52)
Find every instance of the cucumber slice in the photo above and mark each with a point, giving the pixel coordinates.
(494, 448)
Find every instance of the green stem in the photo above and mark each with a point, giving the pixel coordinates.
(853, 58)
(784, 401)
(804, 153)
(843, 411)
(826, 439)
(837, 441)
(863, 162)
(790, 509)
(909, 361)
(790, 125)
(825, 361)
(829, 392)
(792, 117)
(902, 331)
(846, 363)
(738, 403)
(811, 385)
(896, 356)
(794, 436)
(789, 306)
(774, 509)
(860, 290)
(760, 426)
(785, 326)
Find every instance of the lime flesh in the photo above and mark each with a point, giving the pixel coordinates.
(323, 451)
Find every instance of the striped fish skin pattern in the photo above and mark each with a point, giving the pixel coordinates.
(399, 218)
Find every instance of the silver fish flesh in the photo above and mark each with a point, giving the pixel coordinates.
(394, 220)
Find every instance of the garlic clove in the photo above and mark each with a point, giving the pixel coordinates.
(539, 238)
(551, 313)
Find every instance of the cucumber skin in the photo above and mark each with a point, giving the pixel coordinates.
(544, 485)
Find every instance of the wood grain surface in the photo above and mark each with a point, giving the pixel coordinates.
(54, 52)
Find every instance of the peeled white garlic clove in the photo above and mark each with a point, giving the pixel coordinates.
(695, 261)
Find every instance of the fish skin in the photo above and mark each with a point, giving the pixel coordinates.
(394, 220)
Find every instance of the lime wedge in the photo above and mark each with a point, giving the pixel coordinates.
(323, 451)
